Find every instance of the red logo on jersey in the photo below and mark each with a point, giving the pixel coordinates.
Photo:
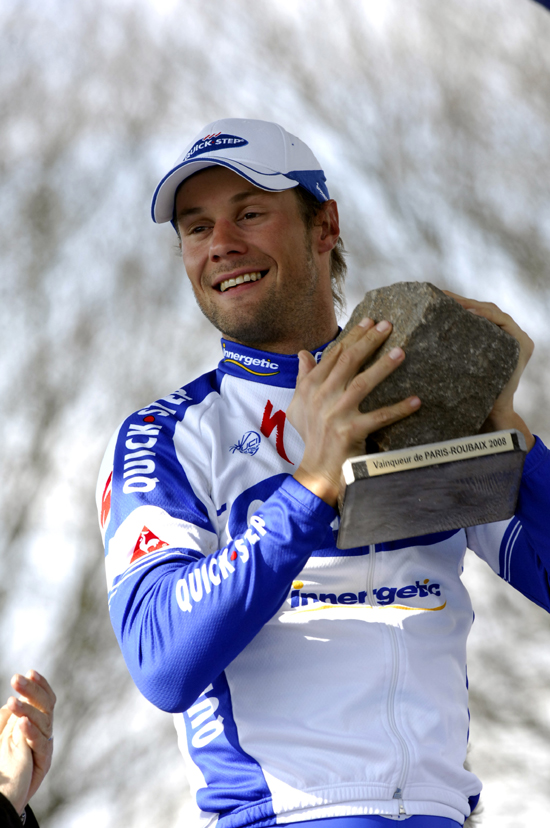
(147, 542)
(106, 501)
(277, 421)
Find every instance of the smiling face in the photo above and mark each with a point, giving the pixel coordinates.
(257, 274)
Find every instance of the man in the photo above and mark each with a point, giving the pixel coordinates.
(308, 683)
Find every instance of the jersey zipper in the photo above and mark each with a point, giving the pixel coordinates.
(405, 755)
(371, 564)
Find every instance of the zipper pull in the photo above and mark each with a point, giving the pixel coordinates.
(398, 794)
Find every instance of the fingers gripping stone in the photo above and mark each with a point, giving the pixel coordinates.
(456, 362)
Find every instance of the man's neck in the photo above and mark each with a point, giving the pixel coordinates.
(291, 345)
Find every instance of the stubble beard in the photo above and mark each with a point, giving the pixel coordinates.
(281, 315)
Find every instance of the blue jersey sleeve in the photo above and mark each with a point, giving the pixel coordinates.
(182, 608)
(519, 550)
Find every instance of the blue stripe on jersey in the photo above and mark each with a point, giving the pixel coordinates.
(368, 820)
(405, 543)
(421, 540)
(146, 435)
(517, 559)
(506, 547)
(334, 552)
(473, 801)
(527, 558)
(234, 779)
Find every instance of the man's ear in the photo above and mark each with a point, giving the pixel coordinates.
(327, 225)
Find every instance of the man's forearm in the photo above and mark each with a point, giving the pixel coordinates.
(180, 624)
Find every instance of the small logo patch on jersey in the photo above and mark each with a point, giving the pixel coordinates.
(248, 444)
(147, 542)
(106, 501)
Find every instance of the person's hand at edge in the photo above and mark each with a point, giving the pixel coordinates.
(35, 711)
(16, 762)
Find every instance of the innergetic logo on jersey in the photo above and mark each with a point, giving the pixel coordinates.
(245, 362)
(211, 143)
(383, 596)
(248, 444)
(147, 542)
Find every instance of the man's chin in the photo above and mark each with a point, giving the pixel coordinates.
(253, 331)
(252, 335)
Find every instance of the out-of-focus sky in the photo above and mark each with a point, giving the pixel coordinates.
(432, 122)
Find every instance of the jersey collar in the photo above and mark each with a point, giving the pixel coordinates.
(262, 366)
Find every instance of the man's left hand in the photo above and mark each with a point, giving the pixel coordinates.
(503, 415)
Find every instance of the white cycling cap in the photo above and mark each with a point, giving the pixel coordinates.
(260, 151)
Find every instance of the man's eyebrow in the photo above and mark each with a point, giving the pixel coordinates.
(252, 191)
(190, 211)
(242, 196)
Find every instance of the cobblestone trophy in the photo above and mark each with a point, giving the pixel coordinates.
(433, 471)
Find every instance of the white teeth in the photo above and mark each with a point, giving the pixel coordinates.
(246, 277)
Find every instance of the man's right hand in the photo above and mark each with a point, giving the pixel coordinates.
(325, 406)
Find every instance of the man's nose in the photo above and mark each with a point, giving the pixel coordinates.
(226, 239)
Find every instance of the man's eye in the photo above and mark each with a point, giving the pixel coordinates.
(198, 228)
(250, 214)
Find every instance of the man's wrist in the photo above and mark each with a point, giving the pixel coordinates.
(318, 485)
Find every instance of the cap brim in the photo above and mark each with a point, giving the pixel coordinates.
(162, 207)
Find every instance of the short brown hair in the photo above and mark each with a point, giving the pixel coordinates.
(309, 208)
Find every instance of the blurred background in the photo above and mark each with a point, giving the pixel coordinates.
(431, 119)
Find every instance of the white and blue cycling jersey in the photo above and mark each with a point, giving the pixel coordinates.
(306, 681)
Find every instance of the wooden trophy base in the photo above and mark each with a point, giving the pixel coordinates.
(431, 488)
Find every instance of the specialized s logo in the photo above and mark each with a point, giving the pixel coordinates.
(147, 542)
(219, 141)
(277, 421)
